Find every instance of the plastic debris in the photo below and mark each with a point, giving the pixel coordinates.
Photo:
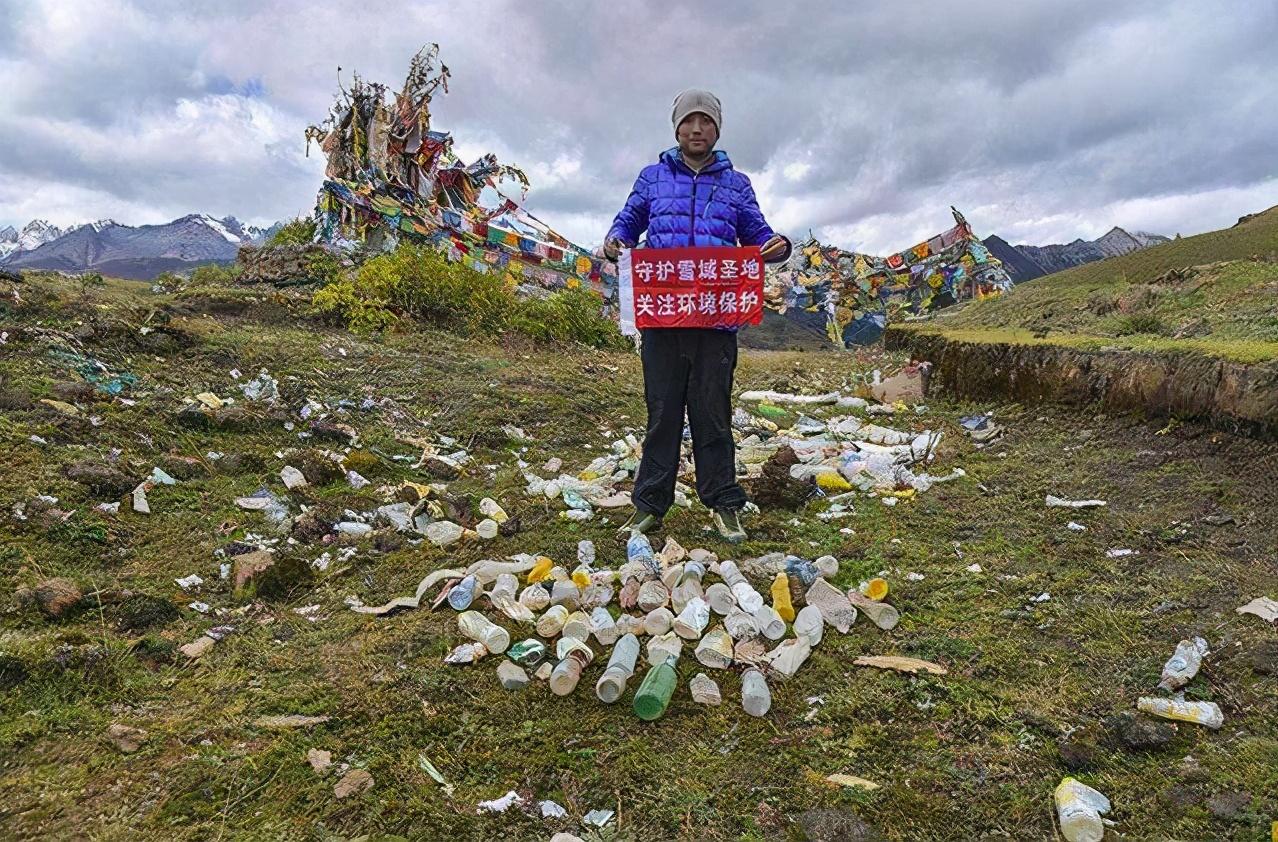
(1262, 607)
(1120, 553)
(551, 810)
(191, 582)
(264, 387)
(502, 804)
(756, 699)
(852, 781)
(598, 818)
(894, 662)
(1060, 502)
(1079, 809)
(292, 478)
(1200, 713)
(1183, 665)
(423, 763)
(704, 690)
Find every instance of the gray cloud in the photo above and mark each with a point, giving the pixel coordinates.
(1044, 121)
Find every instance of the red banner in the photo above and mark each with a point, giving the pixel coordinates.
(707, 286)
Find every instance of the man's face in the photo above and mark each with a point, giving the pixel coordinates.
(697, 134)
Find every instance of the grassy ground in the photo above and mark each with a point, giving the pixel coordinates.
(972, 754)
(1226, 304)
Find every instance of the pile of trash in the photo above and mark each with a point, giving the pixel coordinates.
(667, 598)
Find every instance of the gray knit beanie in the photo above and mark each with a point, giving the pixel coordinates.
(694, 100)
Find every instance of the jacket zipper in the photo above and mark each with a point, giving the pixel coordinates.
(692, 212)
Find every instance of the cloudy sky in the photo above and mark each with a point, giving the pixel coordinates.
(860, 121)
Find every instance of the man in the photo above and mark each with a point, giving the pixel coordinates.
(691, 197)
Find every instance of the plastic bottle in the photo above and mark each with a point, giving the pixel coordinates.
(756, 699)
(506, 584)
(552, 622)
(785, 660)
(693, 619)
(658, 621)
(489, 508)
(629, 624)
(769, 623)
(1183, 664)
(620, 667)
(748, 598)
(479, 628)
(664, 646)
(603, 626)
(540, 570)
(577, 626)
(1079, 809)
(462, 594)
(574, 656)
(720, 598)
(781, 597)
(715, 649)
(639, 551)
(1201, 713)
(586, 553)
(653, 696)
(565, 592)
(487, 529)
(581, 577)
(652, 594)
(880, 613)
(741, 625)
(534, 597)
(689, 585)
(801, 573)
(809, 623)
(730, 573)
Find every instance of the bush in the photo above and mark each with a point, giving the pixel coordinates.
(421, 284)
(295, 232)
(215, 274)
(1141, 323)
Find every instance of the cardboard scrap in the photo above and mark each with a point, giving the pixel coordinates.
(894, 662)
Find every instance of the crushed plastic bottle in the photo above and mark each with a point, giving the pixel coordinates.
(809, 623)
(1200, 713)
(1183, 665)
(603, 626)
(880, 613)
(540, 570)
(741, 625)
(487, 529)
(693, 619)
(769, 622)
(747, 597)
(715, 649)
(786, 659)
(505, 585)
(621, 665)
(756, 699)
(528, 652)
(720, 598)
(482, 630)
(441, 533)
(586, 553)
(639, 551)
(535, 597)
(664, 646)
(462, 594)
(781, 602)
(688, 586)
(658, 621)
(574, 656)
(1079, 808)
(565, 592)
(552, 622)
(490, 508)
(577, 626)
(652, 594)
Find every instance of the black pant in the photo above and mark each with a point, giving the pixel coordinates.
(688, 368)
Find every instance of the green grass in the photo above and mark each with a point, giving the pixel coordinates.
(967, 755)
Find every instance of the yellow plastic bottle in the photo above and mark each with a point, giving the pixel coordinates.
(781, 597)
(540, 570)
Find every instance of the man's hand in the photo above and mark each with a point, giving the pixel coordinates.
(773, 248)
(613, 247)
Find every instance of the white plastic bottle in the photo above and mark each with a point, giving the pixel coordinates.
(756, 699)
(552, 622)
(720, 598)
(810, 624)
(577, 626)
(603, 626)
(693, 619)
(620, 667)
(689, 586)
(1183, 665)
(573, 658)
(1200, 713)
(1079, 808)
(769, 622)
(479, 628)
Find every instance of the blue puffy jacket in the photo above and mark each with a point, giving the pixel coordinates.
(677, 207)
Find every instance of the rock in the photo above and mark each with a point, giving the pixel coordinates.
(833, 826)
(56, 597)
(1229, 806)
(512, 676)
(441, 467)
(292, 478)
(142, 611)
(319, 759)
(704, 690)
(100, 478)
(1263, 657)
(353, 783)
(1080, 748)
(126, 738)
(1139, 733)
(197, 647)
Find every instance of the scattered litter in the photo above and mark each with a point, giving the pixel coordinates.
(1200, 713)
(353, 783)
(355, 480)
(159, 477)
(784, 397)
(1263, 607)
(852, 781)
(974, 568)
(423, 763)
(1061, 502)
(1121, 553)
(551, 810)
(187, 583)
(289, 720)
(501, 805)
(914, 577)
(34, 439)
(201, 607)
(264, 387)
(292, 478)
(1043, 597)
(1183, 665)
(108, 508)
(1074, 526)
(893, 662)
(140, 504)
(1079, 808)
(598, 818)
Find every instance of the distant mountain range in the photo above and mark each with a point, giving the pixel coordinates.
(125, 251)
(1024, 263)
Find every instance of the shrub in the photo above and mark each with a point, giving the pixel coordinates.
(295, 232)
(1141, 323)
(418, 283)
(215, 274)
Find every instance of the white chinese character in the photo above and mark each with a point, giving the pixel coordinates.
(665, 305)
(706, 304)
(706, 271)
(664, 270)
(749, 301)
(643, 306)
(728, 302)
(643, 271)
(750, 268)
(728, 270)
(687, 270)
(687, 303)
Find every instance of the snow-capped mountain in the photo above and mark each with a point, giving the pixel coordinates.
(1026, 262)
(126, 251)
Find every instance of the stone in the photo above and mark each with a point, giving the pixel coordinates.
(100, 478)
(57, 597)
(197, 647)
(1139, 733)
(1079, 748)
(319, 759)
(126, 738)
(353, 783)
(833, 826)
(292, 478)
(512, 676)
(704, 690)
(1229, 806)
(1263, 657)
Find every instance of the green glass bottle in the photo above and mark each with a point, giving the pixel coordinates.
(654, 693)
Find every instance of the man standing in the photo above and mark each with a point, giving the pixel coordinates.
(691, 197)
